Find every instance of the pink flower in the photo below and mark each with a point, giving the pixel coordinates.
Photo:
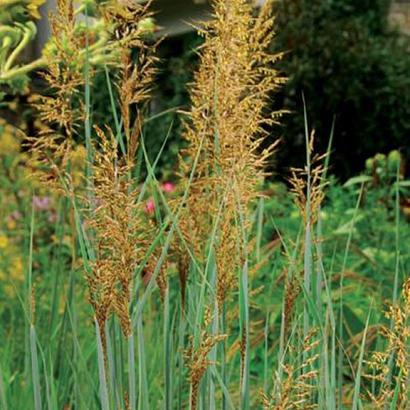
(41, 203)
(150, 206)
(168, 187)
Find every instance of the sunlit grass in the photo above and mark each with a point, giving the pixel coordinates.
(219, 290)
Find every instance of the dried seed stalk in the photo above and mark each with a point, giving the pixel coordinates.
(226, 125)
(296, 390)
(119, 230)
(392, 366)
(122, 234)
(197, 358)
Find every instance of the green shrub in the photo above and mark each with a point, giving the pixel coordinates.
(350, 66)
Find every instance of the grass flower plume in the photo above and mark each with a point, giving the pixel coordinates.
(225, 129)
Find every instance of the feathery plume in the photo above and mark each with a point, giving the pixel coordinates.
(295, 391)
(392, 366)
(225, 129)
(197, 358)
(120, 231)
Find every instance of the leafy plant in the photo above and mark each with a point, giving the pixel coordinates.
(352, 69)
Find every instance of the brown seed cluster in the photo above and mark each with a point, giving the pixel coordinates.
(117, 229)
(61, 110)
(225, 131)
(134, 89)
(391, 367)
(197, 357)
(308, 188)
(308, 185)
(296, 389)
(121, 230)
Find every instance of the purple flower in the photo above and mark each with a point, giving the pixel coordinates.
(41, 203)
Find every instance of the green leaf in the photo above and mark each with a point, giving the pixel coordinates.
(405, 183)
(360, 179)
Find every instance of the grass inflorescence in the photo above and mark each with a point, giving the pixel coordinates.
(218, 290)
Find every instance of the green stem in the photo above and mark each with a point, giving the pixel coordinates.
(7, 43)
(23, 43)
(10, 74)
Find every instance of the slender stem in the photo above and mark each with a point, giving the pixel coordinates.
(223, 355)
(4, 49)
(15, 72)
(23, 43)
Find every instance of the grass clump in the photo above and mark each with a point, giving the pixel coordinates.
(218, 291)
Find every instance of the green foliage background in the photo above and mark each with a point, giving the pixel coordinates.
(350, 64)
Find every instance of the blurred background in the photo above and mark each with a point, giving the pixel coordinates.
(350, 59)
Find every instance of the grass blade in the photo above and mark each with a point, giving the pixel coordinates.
(131, 373)
(35, 371)
(101, 370)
